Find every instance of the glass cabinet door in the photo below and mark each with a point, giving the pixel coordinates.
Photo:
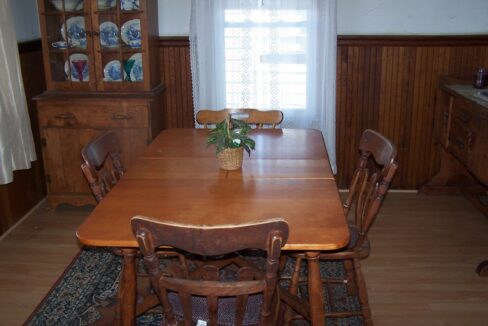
(99, 45)
(120, 44)
(66, 42)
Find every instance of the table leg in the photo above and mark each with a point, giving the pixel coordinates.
(315, 289)
(127, 289)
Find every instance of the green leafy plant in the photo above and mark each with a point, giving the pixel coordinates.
(231, 133)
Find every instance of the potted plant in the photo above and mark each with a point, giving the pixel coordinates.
(230, 140)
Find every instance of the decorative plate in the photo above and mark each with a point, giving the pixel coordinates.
(106, 4)
(133, 68)
(78, 66)
(112, 71)
(109, 35)
(129, 5)
(76, 32)
(131, 33)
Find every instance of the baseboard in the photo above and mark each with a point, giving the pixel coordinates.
(405, 191)
(23, 218)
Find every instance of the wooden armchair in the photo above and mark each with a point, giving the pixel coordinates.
(254, 117)
(102, 165)
(369, 185)
(208, 280)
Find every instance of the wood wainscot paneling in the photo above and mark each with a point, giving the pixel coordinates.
(386, 83)
(28, 188)
(174, 56)
(389, 84)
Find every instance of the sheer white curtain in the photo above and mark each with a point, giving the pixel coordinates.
(16, 143)
(267, 54)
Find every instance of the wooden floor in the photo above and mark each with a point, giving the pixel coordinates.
(421, 270)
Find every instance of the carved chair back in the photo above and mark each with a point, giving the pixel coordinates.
(256, 118)
(102, 165)
(209, 118)
(371, 180)
(193, 285)
(259, 118)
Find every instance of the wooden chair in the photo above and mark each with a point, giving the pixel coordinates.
(256, 118)
(369, 185)
(102, 165)
(207, 280)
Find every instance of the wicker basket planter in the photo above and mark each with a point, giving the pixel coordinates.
(231, 158)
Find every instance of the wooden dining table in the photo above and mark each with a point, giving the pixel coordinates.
(178, 179)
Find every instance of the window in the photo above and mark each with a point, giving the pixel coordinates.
(265, 58)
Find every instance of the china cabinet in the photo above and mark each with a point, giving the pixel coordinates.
(102, 73)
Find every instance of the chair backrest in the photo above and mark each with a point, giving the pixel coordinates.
(371, 180)
(259, 118)
(102, 165)
(210, 117)
(201, 286)
(254, 117)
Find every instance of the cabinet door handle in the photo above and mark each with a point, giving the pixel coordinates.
(445, 119)
(121, 117)
(65, 116)
(458, 142)
(465, 116)
(471, 139)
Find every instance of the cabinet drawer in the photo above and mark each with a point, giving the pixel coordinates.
(459, 141)
(101, 116)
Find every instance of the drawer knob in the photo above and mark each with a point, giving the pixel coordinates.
(121, 117)
(65, 116)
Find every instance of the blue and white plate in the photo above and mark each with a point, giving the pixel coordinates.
(131, 33)
(129, 4)
(75, 34)
(109, 35)
(136, 73)
(72, 71)
(106, 4)
(112, 71)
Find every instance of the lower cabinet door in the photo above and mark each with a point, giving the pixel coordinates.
(62, 160)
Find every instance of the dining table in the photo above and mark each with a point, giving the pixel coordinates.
(178, 179)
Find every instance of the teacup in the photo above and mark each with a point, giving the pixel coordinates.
(77, 42)
(134, 43)
(60, 44)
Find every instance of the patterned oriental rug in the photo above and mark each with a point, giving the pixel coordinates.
(87, 290)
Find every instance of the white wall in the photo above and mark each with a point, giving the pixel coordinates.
(370, 17)
(26, 19)
(412, 17)
(174, 17)
(354, 17)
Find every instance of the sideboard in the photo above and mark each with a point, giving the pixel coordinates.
(461, 133)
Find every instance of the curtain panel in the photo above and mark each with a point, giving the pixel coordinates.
(267, 54)
(16, 142)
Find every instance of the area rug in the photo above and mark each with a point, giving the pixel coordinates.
(89, 285)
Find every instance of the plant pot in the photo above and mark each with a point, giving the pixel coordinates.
(231, 158)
